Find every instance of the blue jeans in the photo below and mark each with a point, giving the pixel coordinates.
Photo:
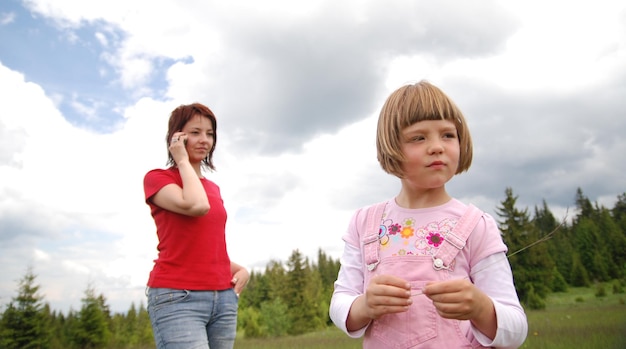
(184, 319)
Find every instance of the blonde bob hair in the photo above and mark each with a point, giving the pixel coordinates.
(408, 105)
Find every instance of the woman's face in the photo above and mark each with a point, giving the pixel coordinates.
(200, 137)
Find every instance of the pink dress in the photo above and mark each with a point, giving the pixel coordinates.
(420, 246)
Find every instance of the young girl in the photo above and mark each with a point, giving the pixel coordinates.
(424, 270)
(193, 287)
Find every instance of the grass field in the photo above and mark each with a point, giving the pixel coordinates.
(331, 338)
(579, 319)
(575, 319)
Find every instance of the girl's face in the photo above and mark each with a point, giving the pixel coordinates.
(432, 151)
(200, 137)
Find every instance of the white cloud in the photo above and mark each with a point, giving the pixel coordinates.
(7, 18)
(297, 89)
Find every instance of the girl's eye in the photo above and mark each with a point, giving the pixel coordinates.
(450, 135)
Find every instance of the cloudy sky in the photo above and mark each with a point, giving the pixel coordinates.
(86, 88)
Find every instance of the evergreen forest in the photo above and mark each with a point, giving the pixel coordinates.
(292, 297)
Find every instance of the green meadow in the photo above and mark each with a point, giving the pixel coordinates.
(572, 319)
(579, 319)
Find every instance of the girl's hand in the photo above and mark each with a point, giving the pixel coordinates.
(462, 300)
(387, 294)
(457, 299)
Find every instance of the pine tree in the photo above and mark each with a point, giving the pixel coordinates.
(24, 322)
(558, 281)
(532, 272)
(589, 239)
(92, 330)
(263, 291)
(614, 241)
(544, 219)
(619, 216)
(144, 327)
(583, 204)
(588, 244)
(512, 222)
(249, 320)
(559, 245)
(275, 317)
(328, 270)
(123, 329)
(303, 296)
(55, 322)
(620, 206)
(254, 293)
(579, 276)
(275, 280)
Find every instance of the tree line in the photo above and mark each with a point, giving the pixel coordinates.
(292, 297)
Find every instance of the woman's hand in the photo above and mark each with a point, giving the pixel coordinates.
(240, 277)
(177, 147)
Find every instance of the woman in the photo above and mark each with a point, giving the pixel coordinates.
(193, 288)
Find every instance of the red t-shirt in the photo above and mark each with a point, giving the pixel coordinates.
(192, 250)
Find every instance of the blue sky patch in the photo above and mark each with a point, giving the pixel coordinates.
(69, 64)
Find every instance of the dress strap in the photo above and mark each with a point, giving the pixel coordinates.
(371, 237)
(455, 240)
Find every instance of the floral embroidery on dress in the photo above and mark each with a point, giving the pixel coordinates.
(394, 228)
(401, 239)
(406, 232)
(435, 239)
(382, 234)
(384, 240)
